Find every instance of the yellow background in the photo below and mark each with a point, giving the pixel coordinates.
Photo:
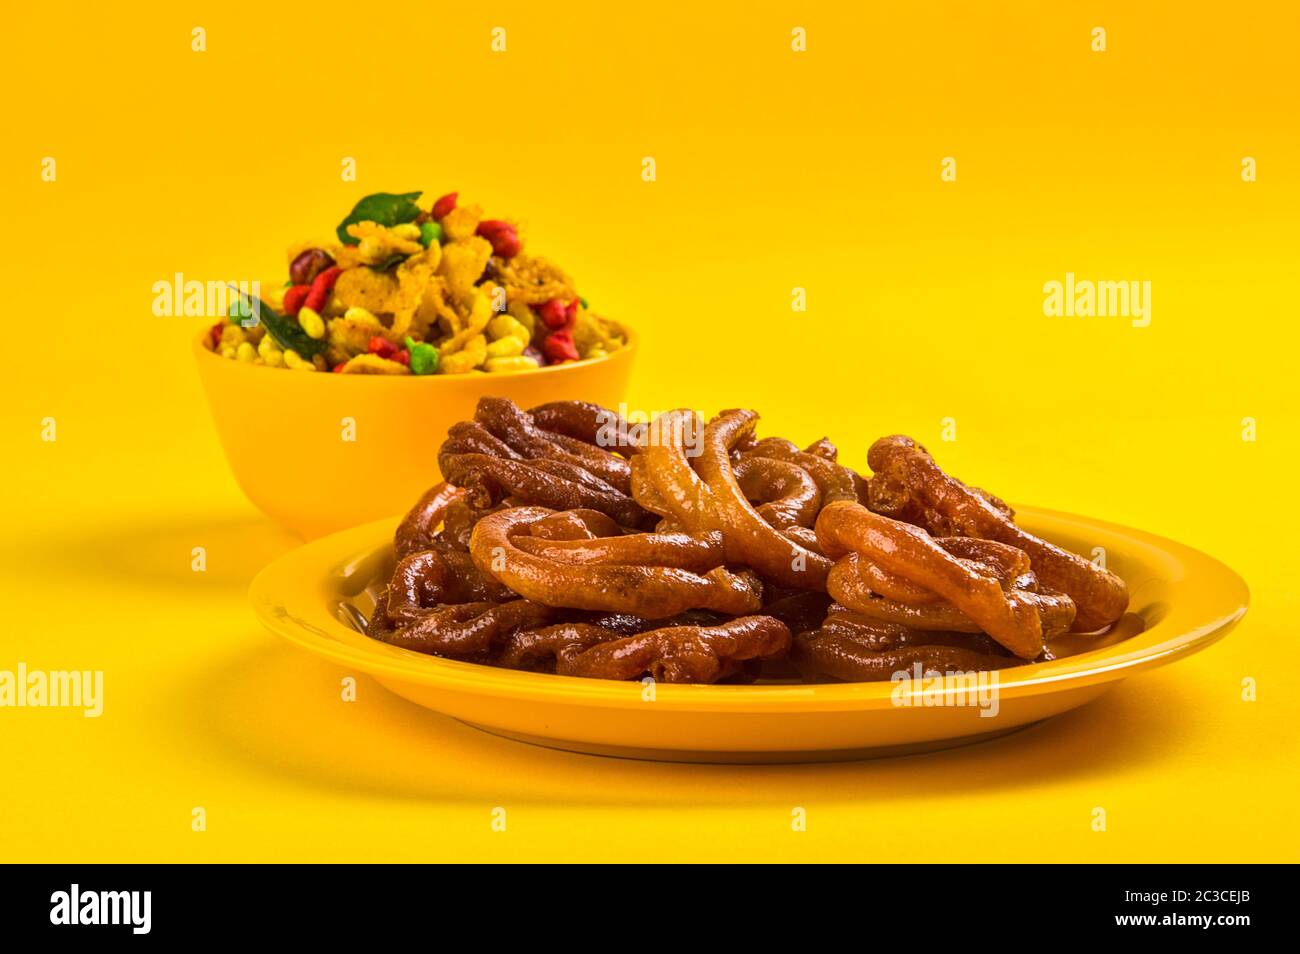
(776, 169)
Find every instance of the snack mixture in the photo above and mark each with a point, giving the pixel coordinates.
(567, 540)
(408, 290)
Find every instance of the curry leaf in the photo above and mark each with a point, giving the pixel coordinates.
(383, 208)
(286, 332)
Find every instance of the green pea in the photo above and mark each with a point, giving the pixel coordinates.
(583, 302)
(424, 356)
(430, 232)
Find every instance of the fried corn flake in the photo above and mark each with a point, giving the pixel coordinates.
(373, 364)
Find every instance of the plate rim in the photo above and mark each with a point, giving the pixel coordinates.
(281, 585)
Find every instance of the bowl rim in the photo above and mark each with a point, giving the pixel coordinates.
(624, 353)
(290, 597)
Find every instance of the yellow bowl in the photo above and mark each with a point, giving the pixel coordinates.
(1182, 601)
(285, 432)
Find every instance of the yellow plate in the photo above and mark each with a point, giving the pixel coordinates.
(1182, 600)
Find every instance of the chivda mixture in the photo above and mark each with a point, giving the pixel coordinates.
(409, 290)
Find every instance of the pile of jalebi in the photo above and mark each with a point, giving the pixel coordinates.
(567, 540)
